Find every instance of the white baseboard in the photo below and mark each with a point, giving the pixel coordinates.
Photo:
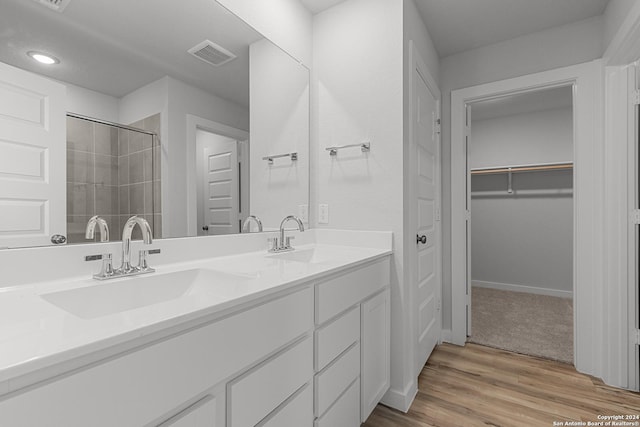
(522, 288)
(445, 335)
(401, 400)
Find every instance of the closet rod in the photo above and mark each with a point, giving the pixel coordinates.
(523, 168)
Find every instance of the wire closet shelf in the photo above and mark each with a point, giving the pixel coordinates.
(510, 170)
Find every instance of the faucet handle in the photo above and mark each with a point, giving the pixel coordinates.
(272, 244)
(143, 264)
(107, 265)
(288, 241)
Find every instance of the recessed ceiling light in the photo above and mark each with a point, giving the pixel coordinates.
(43, 58)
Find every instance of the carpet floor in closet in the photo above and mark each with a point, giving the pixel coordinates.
(537, 325)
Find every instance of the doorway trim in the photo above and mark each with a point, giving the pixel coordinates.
(193, 124)
(588, 236)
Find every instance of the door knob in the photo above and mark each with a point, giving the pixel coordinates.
(205, 228)
(58, 239)
(421, 239)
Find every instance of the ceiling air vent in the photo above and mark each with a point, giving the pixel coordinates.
(57, 5)
(211, 53)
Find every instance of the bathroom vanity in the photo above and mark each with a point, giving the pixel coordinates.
(250, 339)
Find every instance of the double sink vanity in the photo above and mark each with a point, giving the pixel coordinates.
(223, 333)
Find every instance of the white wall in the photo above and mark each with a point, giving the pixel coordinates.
(546, 50)
(537, 137)
(358, 94)
(523, 242)
(287, 23)
(90, 103)
(279, 99)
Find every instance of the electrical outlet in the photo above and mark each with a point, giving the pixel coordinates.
(303, 213)
(323, 214)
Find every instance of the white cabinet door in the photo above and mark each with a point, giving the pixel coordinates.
(375, 352)
(32, 158)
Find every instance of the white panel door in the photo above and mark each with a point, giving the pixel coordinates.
(426, 155)
(32, 158)
(221, 191)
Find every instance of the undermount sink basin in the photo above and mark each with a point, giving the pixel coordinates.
(311, 256)
(106, 298)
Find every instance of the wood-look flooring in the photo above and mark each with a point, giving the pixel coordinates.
(483, 386)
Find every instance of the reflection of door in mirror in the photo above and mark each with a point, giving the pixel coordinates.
(31, 159)
(220, 183)
(113, 172)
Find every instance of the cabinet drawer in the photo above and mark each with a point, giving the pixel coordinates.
(203, 413)
(295, 413)
(338, 294)
(255, 394)
(335, 337)
(345, 412)
(181, 367)
(331, 382)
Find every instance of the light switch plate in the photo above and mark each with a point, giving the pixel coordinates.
(323, 214)
(303, 213)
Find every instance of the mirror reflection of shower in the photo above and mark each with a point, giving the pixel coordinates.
(112, 171)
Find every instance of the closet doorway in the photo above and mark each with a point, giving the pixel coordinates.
(520, 232)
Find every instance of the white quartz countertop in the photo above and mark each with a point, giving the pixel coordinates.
(36, 334)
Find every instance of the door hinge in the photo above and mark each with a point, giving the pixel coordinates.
(636, 337)
(438, 305)
(437, 126)
(437, 214)
(467, 215)
(635, 216)
(635, 97)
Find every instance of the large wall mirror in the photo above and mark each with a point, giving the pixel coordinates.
(179, 112)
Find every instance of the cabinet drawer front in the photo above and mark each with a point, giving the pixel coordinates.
(345, 412)
(335, 337)
(201, 414)
(296, 413)
(330, 383)
(263, 389)
(181, 367)
(338, 294)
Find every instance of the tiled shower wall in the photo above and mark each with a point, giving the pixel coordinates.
(111, 173)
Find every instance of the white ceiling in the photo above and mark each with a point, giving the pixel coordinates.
(117, 46)
(528, 102)
(459, 25)
(317, 6)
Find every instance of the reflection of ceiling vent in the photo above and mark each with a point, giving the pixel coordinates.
(211, 53)
(57, 5)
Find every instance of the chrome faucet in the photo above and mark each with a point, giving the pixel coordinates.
(285, 242)
(126, 269)
(142, 267)
(103, 228)
(107, 264)
(245, 224)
